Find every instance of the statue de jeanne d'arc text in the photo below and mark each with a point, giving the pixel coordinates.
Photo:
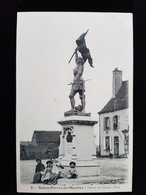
(78, 84)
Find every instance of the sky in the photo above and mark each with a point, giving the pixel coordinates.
(45, 43)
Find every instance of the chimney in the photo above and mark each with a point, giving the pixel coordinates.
(117, 81)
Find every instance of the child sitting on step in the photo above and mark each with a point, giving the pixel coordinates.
(72, 173)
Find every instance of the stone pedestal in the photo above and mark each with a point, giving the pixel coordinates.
(77, 144)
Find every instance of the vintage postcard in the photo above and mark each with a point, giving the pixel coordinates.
(74, 102)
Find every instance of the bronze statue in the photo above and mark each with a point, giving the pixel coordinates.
(78, 85)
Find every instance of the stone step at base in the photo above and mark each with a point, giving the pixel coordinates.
(90, 180)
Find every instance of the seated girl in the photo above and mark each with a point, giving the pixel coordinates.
(57, 168)
(48, 176)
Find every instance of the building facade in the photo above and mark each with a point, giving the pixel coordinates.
(46, 138)
(114, 122)
(44, 145)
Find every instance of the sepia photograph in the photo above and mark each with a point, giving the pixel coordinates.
(74, 102)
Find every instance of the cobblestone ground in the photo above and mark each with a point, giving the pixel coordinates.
(108, 167)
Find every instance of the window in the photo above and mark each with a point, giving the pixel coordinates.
(116, 139)
(126, 139)
(115, 122)
(107, 143)
(106, 123)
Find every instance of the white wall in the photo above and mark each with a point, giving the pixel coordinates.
(122, 124)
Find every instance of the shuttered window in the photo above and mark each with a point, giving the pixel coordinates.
(106, 123)
(115, 122)
(110, 143)
(107, 143)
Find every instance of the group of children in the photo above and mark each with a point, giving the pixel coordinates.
(52, 172)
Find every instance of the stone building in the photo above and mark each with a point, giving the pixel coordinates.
(44, 145)
(113, 120)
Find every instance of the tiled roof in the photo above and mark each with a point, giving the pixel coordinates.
(47, 136)
(120, 101)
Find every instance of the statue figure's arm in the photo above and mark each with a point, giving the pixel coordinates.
(76, 55)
